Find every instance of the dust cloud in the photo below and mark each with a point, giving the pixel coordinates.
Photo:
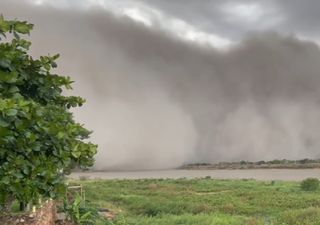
(155, 101)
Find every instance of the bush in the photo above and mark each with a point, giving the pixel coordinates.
(310, 184)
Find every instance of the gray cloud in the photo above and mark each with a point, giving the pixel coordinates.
(285, 16)
(155, 101)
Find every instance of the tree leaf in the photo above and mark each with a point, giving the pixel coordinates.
(23, 27)
(11, 112)
(5, 63)
(3, 123)
(13, 89)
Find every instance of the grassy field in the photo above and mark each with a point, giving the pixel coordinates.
(204, 202)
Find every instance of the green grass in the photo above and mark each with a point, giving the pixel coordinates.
(204, 202)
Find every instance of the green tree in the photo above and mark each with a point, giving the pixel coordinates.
(39, 140)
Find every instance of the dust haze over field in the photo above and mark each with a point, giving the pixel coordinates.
(156, 101)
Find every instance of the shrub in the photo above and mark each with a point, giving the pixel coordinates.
(310, 184)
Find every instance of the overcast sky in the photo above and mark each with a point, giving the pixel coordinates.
(235, 18)
(219, 22)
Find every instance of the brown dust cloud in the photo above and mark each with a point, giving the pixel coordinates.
(155, 101)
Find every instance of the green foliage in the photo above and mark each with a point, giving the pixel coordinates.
(39, 140)
(79, 214)
(76, 213)
(310, 184)
(300, 217)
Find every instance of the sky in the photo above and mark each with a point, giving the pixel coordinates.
(175, 82)
(216, 21)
